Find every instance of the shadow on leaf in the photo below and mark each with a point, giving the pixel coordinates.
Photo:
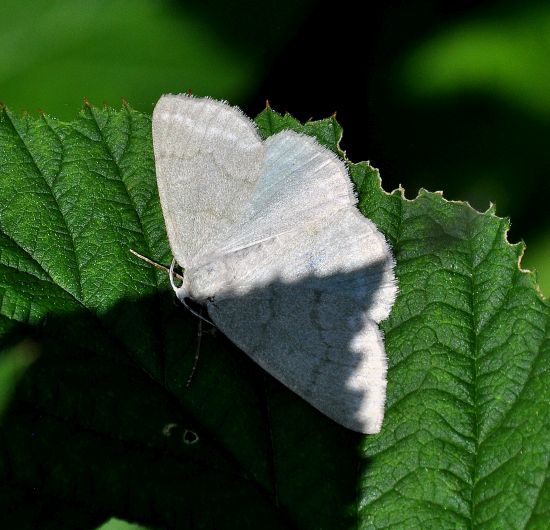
(102, 423)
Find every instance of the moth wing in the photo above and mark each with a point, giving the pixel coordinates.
(301, 182)
(305, 305)
(208, 159)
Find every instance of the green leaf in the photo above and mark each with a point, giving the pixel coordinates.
(117, 524)
(104, 420)
(111, 48)
(53, 52)
(13, 364)
(503, 55)
(537, 257)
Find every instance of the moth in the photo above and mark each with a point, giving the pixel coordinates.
(271, 241)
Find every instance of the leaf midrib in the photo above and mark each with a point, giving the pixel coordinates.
(475, 371)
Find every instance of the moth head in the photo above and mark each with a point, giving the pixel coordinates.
(206, 281)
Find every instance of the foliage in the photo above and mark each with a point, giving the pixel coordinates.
(104, 425)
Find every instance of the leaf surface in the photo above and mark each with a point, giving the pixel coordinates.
(104, 420)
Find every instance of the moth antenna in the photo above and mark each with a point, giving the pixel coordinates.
(155, 264)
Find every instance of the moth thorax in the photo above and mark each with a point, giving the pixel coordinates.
(206, 281)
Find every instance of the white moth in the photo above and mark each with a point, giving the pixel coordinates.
(271, 241)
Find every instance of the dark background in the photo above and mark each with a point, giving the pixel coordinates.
(445, 96)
